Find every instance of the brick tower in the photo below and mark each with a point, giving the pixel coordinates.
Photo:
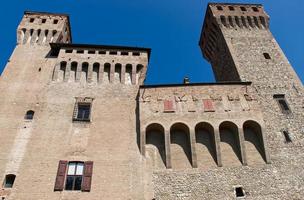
(236, 40)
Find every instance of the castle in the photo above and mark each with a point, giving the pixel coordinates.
(78, 122)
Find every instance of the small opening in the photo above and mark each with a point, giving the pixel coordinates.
(80, 51)
(84, 112)
(243, 8)
(102, 52)
(136, 54)
(91, 52)
(69, 51)
(223, 20)
(39, 70)
(219, 7)
(267, 56)
(113, 52)
(29, 115)
(32, 20)
(9, 180)
(231, 8)
(287, 136)
(255, 9)
(239, 192)
(55, 21)
(282, 103)
(43, 21)
(124, 53)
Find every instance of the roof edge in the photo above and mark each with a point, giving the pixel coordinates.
(196, 84)
(236, 4)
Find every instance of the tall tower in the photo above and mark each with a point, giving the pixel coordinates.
(236, 40)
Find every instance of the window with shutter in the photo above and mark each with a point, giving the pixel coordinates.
(168, 106)
(87, 176)
(59, 183)
(208, 105)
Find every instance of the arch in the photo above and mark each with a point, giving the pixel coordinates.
(29, 115)
(230, 144)
(30, 36)
(205, 145)
(230, 21)
(254, 143)
(84, 72)
(38, 35)
(117, 73)
(73, 71)
(95, 76)
(128, 75)
(256, 22)
(263, 21)
(237, 21)
(62, 71)
(46, 32)
(53, 35)
(243, 19)
(250, 22)
(9, 180)
(106, 73)
(180, 146)
(155, 145)
(223, 20)
(139, 69)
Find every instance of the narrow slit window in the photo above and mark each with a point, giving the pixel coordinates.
(9, 181)
(287, 137)
(239, 192)
(267, 56)
(29, 115)
(282, 103)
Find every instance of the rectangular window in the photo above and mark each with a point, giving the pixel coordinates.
(43, 21)
(83, 113)
(74, 175)
(280, 98)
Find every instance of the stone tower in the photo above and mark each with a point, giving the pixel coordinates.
(237, 41)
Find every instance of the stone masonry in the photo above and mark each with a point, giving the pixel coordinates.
(66, 105)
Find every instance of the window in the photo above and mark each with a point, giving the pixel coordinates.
(280, 98)
(124, 53)
(113, 52)
(9, 181)
(43, 21)
(102, 52)
(91, 52)
(74, 176)
(219, 7)
(32, 20)
(29, 115)
(243, 8)
(83, 112)
(69, 51)
(55, 21)
(287, 136)
(267, 56)
(239, 192)
(231, 8)
(80, 51)
(255, 9)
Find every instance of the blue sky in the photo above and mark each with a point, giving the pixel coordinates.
(170, 27)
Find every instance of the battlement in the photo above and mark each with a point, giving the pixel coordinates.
(42, 28)
(100, 63)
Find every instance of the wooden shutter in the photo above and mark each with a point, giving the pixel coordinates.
(168, 106)
(59, 183)
(87, 176)
(208, 105)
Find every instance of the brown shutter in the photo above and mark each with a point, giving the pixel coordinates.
(59, 184)
(168, 106)
(208, 105)
(87, 176)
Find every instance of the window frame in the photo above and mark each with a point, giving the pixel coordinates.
(11, 177)
(282, 103)
(74, 176)
(87, 101)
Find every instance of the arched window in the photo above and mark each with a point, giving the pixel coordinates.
(29, 115)
(180, 146)
(84, 72)
(38, 35)
(223, 20)
(205, 145)
(230, 144)
(155, 150)
(250, 21)
(244, 21)
(73, 71)
(237, 21)
(139, 69)
(9, 180)
(106, 73)
(230, 21)
(62, 70)
(128, 75)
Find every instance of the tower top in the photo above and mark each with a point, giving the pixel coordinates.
(220, 16)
